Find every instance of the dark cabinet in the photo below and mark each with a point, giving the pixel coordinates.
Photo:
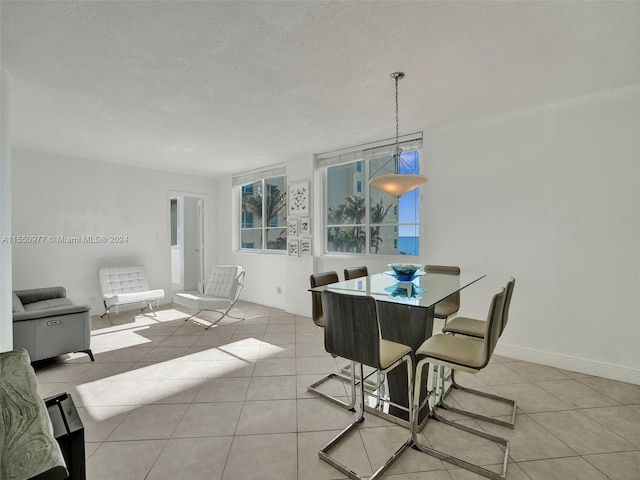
(69, 433)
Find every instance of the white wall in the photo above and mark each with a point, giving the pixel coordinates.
(546, 194)
(264, 272)
(56, 195)
(6, 314)
(273, 279)
(549, 195)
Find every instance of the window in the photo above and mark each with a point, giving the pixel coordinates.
(364, 220)
(263, 214)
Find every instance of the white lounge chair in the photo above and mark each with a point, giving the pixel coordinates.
(126, 286)
(221, 293)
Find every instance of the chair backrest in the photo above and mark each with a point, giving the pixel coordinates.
(225, 281)
(446, 270)
(355, 272)
(507, 303)
(493, 324)
(319, 280)
(117, 280)
(442, 269)
(351, 328)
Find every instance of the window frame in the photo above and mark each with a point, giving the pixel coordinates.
(239, 183)
(357, 154)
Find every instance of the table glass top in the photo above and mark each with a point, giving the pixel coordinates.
(425, 290)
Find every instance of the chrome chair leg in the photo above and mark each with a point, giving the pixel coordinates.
(224, 314)
(457, 386)
(324, 452)
(150, 307)
(433, 398)
(351, 379)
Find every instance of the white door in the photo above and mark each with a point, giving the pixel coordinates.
(187, 242)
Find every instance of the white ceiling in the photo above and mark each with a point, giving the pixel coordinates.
(215, 88)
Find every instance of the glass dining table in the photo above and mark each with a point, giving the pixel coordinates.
(406, 313)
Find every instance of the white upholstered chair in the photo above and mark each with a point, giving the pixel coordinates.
(126, 286)
(221, 293)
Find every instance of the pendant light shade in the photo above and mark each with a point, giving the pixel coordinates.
(397, 183)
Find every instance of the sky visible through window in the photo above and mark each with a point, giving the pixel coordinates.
(408, 211)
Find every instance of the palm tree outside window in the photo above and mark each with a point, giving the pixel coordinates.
(367, 220)
(264, 215)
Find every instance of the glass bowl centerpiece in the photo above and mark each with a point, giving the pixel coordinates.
(405, 272)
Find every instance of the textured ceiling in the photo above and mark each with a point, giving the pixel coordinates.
(219, 87)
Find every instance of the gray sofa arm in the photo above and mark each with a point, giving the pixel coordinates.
(50, 312)
(38, 294)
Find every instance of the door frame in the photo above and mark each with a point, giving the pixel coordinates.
(203, 227)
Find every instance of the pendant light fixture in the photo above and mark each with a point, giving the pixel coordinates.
(397, 183)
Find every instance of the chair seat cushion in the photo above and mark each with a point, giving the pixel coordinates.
(466, 326)
(133, 297)
(390, 352)
(459, 351)
(199, 301)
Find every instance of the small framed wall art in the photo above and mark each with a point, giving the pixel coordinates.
(299, 198)
(305, 246)
(292, 227)
(293, 247)
(304, 226)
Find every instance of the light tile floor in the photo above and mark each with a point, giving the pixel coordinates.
(167, 399)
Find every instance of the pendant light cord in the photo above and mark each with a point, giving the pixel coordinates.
(397, 153)
(397, 184)
(397, 117)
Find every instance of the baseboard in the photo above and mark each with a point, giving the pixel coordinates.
(581, 365)
(260, 300)
(300, 310)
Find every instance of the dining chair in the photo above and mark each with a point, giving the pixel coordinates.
(352, 331)
(458, 353)
(450, 305)
(349, 274)
(319, 280)
(355, 272)
(475, 328)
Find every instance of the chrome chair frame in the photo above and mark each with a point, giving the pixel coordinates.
(437, 393)
(346, 345)
(451, 329)
(324, 452)
(433, 415)
(318, 280)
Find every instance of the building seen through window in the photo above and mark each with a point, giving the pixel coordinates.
(368, 220)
